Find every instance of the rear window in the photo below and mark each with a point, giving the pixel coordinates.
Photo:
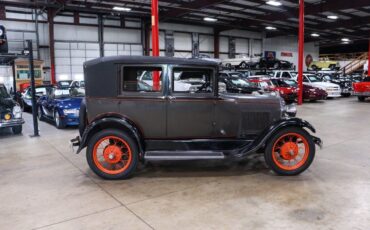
(140, 79)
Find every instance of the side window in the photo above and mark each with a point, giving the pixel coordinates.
(140, 79)
(286, 75)
(278, 74)
(305, 79)
(192, 80)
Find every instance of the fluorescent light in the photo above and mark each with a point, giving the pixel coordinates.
(273, 3)
(118, 8)
(333, 17)
(315, 35)
(270, 28)
(345, 40)
(345, 43)
(207, 19)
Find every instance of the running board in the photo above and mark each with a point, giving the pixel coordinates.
(183, 155)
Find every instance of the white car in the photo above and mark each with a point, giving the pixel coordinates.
(332, 89)
(242, 62)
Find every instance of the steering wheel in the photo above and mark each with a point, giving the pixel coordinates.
(205, 87)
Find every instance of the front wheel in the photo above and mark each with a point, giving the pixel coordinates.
(112, 154)
(17, 129)
(58, 121)
(290, 152)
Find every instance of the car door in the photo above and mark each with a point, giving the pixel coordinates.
(190, 112)
(140, 102)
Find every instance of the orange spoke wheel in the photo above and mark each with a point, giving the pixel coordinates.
(112, 155)
(290, 151)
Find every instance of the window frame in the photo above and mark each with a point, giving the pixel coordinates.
(171, 91)
(163, 81)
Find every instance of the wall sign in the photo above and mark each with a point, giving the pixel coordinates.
(286, 54)
(271, 55)
(308, 60)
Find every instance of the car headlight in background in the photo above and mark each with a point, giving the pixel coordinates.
(312, 90)
(71, 111)
(17, 112)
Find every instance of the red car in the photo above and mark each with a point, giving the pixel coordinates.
(289, 92)
(362, 89)
(309, 92)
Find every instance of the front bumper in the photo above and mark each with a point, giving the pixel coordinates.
(71, 119)
(334, 93)
(11, 123)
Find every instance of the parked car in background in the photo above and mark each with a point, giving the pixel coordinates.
(26, 99)
(333, 90)
(61, 105)
(310, 93)
(287, 91)
(285, 74)
(236, 83)
(362, 89)
(64, 83)
(128, 126)
(344, 82)
(263, 82)
(324, 64)
(77, 84)
(241, 62)
(268, 63)
(10, 112)
(3, 40)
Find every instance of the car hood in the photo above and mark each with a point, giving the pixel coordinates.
(69, 103)
(6, 104)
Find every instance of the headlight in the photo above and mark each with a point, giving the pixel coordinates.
(1, 32)
(312, 90)
(17, 112)
(70, 111)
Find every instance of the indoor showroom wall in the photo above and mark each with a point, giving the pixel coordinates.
(286, 48)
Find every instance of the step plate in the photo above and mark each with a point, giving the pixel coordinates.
(181, 155)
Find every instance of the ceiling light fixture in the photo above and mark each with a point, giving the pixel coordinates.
(207, 19)
(345, 40)
(315, 35)
(333, 17)
(118, 8)
(270, 28)
(273, 3)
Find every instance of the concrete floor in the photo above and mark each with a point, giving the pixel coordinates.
(43, 185)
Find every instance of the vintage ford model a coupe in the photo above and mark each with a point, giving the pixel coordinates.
(128, 120)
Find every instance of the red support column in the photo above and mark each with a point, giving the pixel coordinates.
(155, 41)
(300, 51)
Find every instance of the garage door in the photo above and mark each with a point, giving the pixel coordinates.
(70, 56)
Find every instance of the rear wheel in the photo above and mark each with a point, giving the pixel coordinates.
(112, 154)
(290, 152)
(360, 98)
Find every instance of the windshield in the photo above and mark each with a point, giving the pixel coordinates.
(291, 83)
(313, 78)
(3, 92)
(294, 74)
(239, 82)
(71, 92)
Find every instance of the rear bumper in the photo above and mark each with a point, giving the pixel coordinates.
(11, 123)
(364, 94)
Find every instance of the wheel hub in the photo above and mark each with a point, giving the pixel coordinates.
(112, 154)
(289, 151)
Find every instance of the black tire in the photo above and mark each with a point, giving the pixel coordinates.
(360, 98)
(243, 65)
(58, 122)
(346, 95)
(128, 172)
(40, 114)
(269, 152)
(277, 65)
(17, 129)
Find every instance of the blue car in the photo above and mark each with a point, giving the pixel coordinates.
(62, 105)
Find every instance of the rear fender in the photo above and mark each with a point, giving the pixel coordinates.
(120, 123)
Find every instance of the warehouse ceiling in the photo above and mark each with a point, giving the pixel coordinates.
(352, 17)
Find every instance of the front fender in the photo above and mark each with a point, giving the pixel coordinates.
(266, 135)
(110, 122)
